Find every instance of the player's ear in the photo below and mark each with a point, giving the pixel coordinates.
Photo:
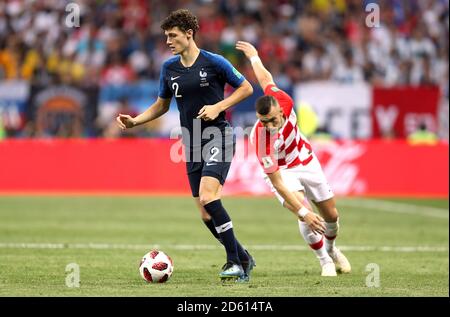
(189, 33)
(277, 106)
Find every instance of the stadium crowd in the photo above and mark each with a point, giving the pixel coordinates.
(118, 42)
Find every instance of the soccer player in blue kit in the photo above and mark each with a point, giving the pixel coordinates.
(196, 78)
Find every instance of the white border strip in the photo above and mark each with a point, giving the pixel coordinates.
(261, 247)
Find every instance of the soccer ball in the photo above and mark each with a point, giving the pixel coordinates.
(156, 267)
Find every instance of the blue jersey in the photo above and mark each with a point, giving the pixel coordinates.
(196, 86)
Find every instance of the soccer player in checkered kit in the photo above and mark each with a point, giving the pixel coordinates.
(292, 170)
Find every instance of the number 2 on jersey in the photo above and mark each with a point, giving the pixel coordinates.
(175, 87)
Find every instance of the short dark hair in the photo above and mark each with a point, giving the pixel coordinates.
(182, 18)
(264, 103)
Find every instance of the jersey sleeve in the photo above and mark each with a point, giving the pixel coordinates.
(285, 101)
(232, 75)
(164, 89)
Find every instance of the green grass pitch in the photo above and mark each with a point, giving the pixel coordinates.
(406, 239)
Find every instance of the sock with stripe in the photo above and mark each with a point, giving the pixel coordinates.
(210, 224)
(224, 227)
(315, 241)
(241, 251)
(331, 231)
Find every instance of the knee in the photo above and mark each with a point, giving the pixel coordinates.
(331, 215)
(206, 198)
(204, 215)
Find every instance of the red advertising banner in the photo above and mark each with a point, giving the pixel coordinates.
(377, 168)
(84, 165)
(397, 112)
(385, 168)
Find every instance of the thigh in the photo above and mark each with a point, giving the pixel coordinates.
(194, 173)
(217, 156)
(217, 170)
(290, 179)
(210, 189)
(316, 185)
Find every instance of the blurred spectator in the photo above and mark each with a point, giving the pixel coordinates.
(10, 57)
(117, 72)
(135, 15)
(119, 42)
(325, 39)
(317, 64)
(2, 129)
(422, 136)
(111, 129)
(348, 71)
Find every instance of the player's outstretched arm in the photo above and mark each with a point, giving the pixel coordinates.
(314, 221)
(262, 74)
(156, 110)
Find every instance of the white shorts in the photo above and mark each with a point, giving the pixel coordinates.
(309, 178)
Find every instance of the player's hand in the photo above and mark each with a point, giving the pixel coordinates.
(209, 112)
(125, 121)
(248, 49)
(315, 222)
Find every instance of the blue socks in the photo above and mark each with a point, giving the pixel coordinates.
(241, 251)
(223, 226)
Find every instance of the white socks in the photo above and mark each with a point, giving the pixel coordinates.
(315, 241)
(331, 231)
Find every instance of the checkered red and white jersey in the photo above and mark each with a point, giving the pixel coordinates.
(285, 149)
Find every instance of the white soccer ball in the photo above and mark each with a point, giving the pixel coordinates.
(156, 267)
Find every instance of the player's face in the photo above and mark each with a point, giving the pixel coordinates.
(177, 40)
(273, 121)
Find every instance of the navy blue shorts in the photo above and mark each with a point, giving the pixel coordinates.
(213, 159)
